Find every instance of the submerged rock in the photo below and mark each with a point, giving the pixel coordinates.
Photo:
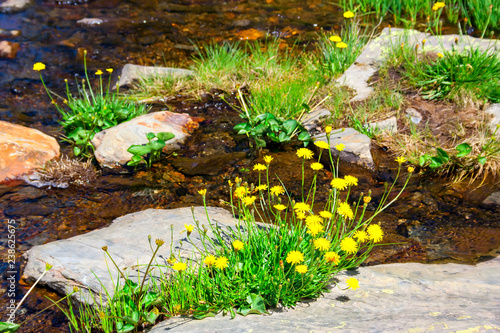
(392, 298)
(12, 6)
(132, 73)
(357, 146)
(111, 144)
(23, 149)
(8, 49)
(77, 261)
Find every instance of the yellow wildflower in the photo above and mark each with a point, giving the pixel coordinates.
(301, 207)
(349, 245)
(171, 261)
(321, 244)
(202, 192)
(424, 41)
(375, 232)
(340, 147)
(301, 215)
(230, 183)
(324, 214)
(280, 207)
(314, 229)
(262, 187)
(328, 129)
(352, 283)
(438, 5)
(237, 180)
(305, 153)
(259, 167)
(440, 55)
(332, 257)
(209, 261)
(179, 266)
(238, 245)
(400, 159)
(351, 180)
(268, 159)
(321, 144)
(240, 192)
(367, 199)
(277, 190)
(361, 236)
(316, 166)
(189, 228)
(39, 66)
(109, 70)
(99, 72)
(221, 262)
(294, 257)
(339, 183)
(311, 219)
(411, 169)
(335, 39)
(302, 269)
(249, 200)
(345, 210)
(341, 45)
(348, 14)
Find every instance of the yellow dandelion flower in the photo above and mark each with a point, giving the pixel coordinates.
(400, 159)
(339, 183)
(179, 266)
(294, 257)
(348, 14)
(277, 190)
(335, 39)
(109, 70)
(268, 159)
(321, 144)
(240, 192)
(328, 129)
(203, 192)
(361, 236)
(351, 180)
(375, 232)
(411, 169)
(349, 245)
(311, 219)
(340, 147)
(230, 183)
(316, 166)
(262, 187)
(424, 41)
(301, 215)
(352, 283)
(209, 261)
(249, 200)
(314, 229)
(440, 55)
(280, 207)
(341, 45)
(221, 262)
(238, 245)
(237, 180)
(99, 72)
(367, 199)
(39, 66)
(189, 227)
(259, 167)
(171, 261)
(305, 153)
(321, 244)
(324, 214)
(301, 207)
(332, 257)
(302, 269)
(345, 210)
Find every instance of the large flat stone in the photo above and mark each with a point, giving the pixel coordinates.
(79, 261)
(391, 298)
(377, 50)
(23, 149)
(111, 144)
(357, 146)
(132, 73)
(12, 6)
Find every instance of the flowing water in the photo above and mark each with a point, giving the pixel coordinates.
(432, 222)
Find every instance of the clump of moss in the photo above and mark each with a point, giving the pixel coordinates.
(65, 171)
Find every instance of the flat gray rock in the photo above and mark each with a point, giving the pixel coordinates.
(388, 125)
(132, 73)
(77, 261)
(357, 146)
(111, 144)
(494, 111)
(12, 6)
(493, 199)
(391, 298)
(377, 50)
(313, 119)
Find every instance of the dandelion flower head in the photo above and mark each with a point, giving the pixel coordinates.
(39, 66)
(314, 229)
(221, 262)
(280, 207)
(305, 153)
(351, 180)
(268, 159)
(341, 45)
(302, 269)
(262, 187)
(302, 207)
(335, 39)
(311, 219)
(238, 245)
(99, 72)
(340, 146)
(324, 214)
(352, 283)
(249, 200)
(321, 144)
(277, 190)
(400, 159)
(189, 227)
(361, 236)
(180, 266)
(294, 257)
(349, 245)
(348, 14)
(375, 232)
(209, 261)
(339, 183)
(345, 210)
(316, 166)
(240, 192)
(332, 257)
(322, 244)
(259, 167)
(202, 192)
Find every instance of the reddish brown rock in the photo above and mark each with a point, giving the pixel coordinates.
(8, 49)
(22, 149)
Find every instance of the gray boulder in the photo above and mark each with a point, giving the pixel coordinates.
(132, 73)
(494, 111)
(111, 144)
(12, 6)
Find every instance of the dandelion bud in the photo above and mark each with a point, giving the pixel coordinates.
(149, 238)
(105, 248)
(328, 129)
(75, 289)
(402, 45)
(48, 266)
(280, 286)
(276, 248)
(288, 280)
(159, 242)
(254, 277)
(272, 278)
(416, 47)
(456, 40)
(300, 239)
(423, 42)
(281, 264)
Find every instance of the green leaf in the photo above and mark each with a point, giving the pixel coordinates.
(424, 159)
(150, 298)
(304, 136)
(151, 317)
(139, 150)
(442, 155)
(260, 142)
(165, 136)
(436, 162)
(257, 305)
(157, 145)
(290, 125)
(150, 136)
(203, 311)
(242, 127)
(77, 151)
(133, 319)
(124, 328)
(283, 137)
(482, 160)
(8, 327)
(463, 149)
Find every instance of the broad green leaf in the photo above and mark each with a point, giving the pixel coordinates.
(260, 129)
(304, 136)
(77, 151)
(423, 159)
(203, 311)
(290, 125)
(260, 142)
(463, 149)
(442, 155)
(242, 127)
(133, 319)
(165, 136)
(124, 328)
(257, 303)
(150, 317)
(150, 298)
(283, 137)
(139, 150)
(8, 327)
(482, 160)
(436, 162)
(157, 145)
(150, 136)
